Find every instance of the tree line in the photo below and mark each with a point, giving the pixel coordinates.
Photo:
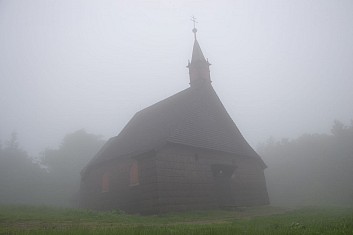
(54, 179)
(314, 169)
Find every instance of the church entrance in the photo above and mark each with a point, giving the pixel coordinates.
(222, 177)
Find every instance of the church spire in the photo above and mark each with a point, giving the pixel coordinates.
(194, 30)
(199, 70)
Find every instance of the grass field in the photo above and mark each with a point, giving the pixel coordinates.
(261, 220)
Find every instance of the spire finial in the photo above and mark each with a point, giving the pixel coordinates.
(194, 30)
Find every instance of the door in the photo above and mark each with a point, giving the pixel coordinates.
(222, 177)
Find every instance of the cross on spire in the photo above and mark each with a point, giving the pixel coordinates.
(194, 30)
(194, 20)
(199, 67)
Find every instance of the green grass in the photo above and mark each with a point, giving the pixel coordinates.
(28, 220)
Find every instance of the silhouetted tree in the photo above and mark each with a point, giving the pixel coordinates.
(19, 176)
(65, 164)
(24, 182)
(312, 169)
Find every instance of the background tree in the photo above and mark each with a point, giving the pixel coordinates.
(52, 181)
(65, 163)
(20, 178)
(313, 169)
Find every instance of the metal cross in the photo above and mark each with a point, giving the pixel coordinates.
(193, 19)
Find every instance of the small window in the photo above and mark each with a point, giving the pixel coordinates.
(134, 174)
(105, 183)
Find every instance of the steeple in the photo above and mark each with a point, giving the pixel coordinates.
(199, 70)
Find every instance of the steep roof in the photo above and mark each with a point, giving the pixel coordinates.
(194, 117)
(197, 54)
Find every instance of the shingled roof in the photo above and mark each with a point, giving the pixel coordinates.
(194, 117)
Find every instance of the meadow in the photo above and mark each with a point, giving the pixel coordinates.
(29, 220)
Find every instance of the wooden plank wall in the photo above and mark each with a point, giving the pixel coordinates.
(174, 178)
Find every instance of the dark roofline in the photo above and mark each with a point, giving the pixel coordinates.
(103, 161)
(256, 157)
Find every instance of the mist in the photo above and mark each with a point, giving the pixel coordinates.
(312, 170)
(281, 68)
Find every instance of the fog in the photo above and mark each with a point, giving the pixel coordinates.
(314, 169)
(281, 68)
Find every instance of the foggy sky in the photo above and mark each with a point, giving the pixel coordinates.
(281, 68)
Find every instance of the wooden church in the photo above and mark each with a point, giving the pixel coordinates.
(182, 153)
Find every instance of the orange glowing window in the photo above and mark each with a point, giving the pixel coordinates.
(134, 174)
(105, 183)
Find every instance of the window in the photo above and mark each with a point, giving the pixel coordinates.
(134, 174)
(105, 183)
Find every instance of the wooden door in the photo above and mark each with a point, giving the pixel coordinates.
(222, 178)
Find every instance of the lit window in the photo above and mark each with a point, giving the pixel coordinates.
(134, 174)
